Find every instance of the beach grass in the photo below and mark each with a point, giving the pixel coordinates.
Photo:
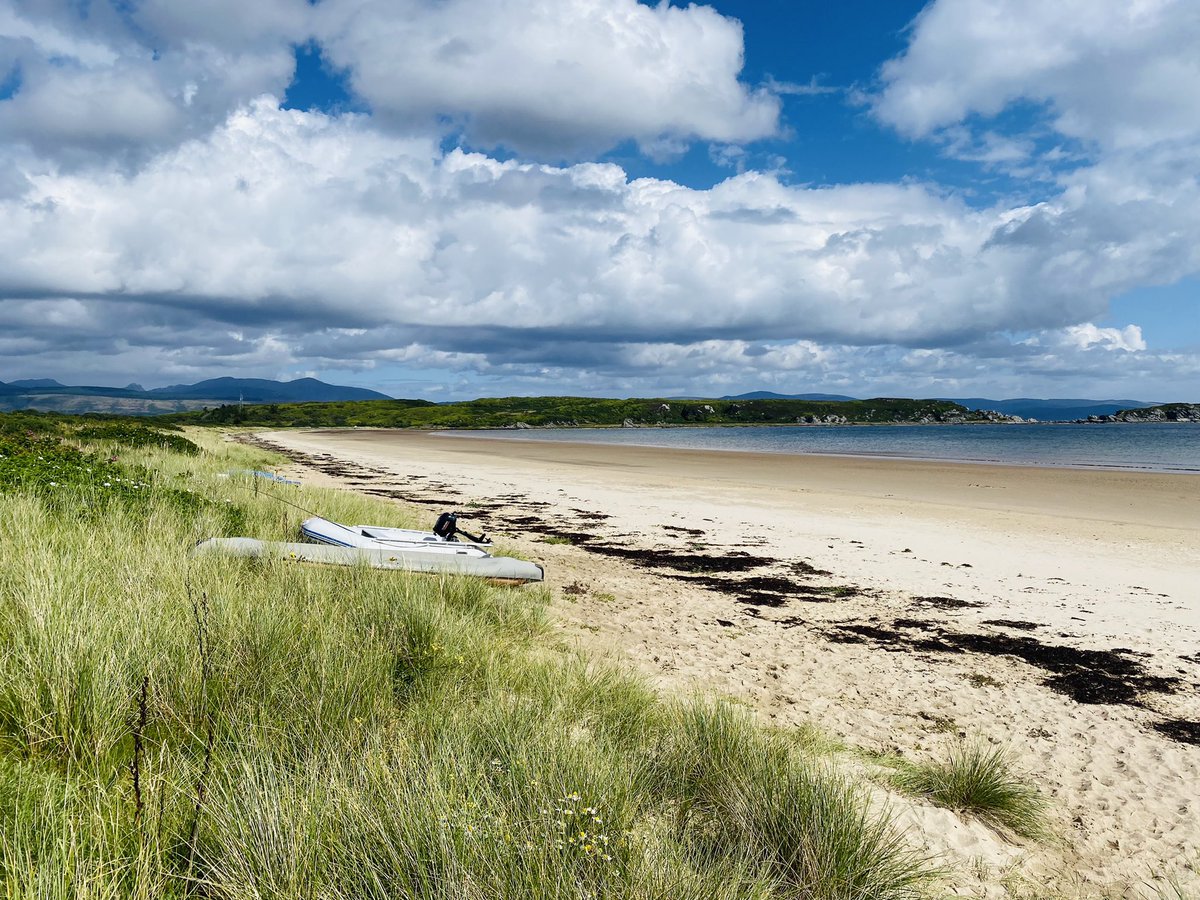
(253, 728)
(979, 780)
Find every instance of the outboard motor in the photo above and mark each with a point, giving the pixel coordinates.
(446, 526)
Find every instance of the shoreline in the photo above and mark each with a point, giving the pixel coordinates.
(831, 441)
(515, 435)
(904, 606)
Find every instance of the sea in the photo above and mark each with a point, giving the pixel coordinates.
(1154, 447)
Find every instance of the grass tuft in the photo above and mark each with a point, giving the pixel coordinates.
(978, 780)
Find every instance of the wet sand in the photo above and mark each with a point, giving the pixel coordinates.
(900, 605)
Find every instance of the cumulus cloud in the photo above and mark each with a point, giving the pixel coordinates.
(552, 77)
(351, 243)
(1111, 72)
(1088, 335)
(332, 222)
(560, 79)
(131, 79)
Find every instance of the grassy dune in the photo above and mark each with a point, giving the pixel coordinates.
(259, 729)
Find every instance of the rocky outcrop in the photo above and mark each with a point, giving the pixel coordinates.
(1171, 412)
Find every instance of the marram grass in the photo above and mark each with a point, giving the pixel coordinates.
(241, 728)
(978, 780)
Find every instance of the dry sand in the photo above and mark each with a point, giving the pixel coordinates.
(1053, 612)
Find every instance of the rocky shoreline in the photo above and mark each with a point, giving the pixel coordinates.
(1171, 412)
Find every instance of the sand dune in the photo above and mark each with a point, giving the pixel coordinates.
(900, 606)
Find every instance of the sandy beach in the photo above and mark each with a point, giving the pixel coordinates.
(900, 606)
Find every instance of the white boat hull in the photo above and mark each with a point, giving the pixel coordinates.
(380, 538)
(501, 568)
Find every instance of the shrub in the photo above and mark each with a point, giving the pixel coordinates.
(134, 435)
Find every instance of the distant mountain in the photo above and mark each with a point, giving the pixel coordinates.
(47, 394)
(1061, 410)
(36, 383)
(770, 395)
(263, 390)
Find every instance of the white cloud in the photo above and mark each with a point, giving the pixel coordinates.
(1088, 335)
(1112, 72)
(555, 78)
(552, 77)
(112, 79)
(352, 244)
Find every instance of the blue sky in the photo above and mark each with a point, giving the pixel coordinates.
(482, 197)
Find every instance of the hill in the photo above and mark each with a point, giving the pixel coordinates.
(263, 390)
(1055, 410)
(1167, 412)
(36, 383)
(49, 395)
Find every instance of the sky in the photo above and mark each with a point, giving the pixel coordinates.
(458, 198)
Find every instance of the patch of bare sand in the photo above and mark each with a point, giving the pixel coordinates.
(899, 606)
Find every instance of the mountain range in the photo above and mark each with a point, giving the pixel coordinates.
(48, 394)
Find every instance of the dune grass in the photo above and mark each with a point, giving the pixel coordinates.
(978, 780)
(256, 728)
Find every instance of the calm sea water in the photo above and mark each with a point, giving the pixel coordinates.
(1155, 447)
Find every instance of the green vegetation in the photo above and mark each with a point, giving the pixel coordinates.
(510, 412)
(72, 468)
(978, 780)
(139, 434)
(246, 728)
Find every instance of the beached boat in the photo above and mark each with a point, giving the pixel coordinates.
(377, 537)
(408, 559)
